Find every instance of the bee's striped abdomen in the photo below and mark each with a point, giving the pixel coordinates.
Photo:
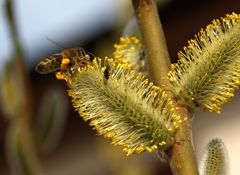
(50, 64)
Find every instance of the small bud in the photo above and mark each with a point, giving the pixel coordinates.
(215, 159)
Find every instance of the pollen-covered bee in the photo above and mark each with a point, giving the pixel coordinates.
(62, 60)
(65, 64)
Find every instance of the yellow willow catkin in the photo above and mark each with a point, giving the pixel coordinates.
(215, 159)
(122, 106)
(208, 71)
(130, 50)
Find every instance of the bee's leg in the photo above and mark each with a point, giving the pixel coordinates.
(61, 76)
(91, 56)
(81, 52)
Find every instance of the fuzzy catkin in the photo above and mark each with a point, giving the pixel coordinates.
(208, 71)
(126, 108)
(215, 159)
(130, 50)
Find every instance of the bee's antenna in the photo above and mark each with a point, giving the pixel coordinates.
(54, 42)
(92, 56)
(90, 53)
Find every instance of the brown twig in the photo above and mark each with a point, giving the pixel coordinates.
(181, 155)
(153, 39)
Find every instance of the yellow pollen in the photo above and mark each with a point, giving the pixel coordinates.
(60, 76)
(65, 62)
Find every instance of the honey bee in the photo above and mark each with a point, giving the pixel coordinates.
(63, 60)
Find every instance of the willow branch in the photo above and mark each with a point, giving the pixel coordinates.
(13, 28)
(181, 155)
(155, 46)
(20, 75)
(19, 69)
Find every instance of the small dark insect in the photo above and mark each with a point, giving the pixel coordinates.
(62, 60)
(106, 72)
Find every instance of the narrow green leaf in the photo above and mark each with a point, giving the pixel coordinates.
(20, 150)
(11, 97)
(51, 118)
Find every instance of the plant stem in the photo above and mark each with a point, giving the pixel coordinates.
(19, 63)
(23, 113)
(13, 28)
(181, 155)
(153, 40)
